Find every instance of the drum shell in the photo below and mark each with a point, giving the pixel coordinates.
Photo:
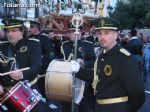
(18, 95)
(58, 82)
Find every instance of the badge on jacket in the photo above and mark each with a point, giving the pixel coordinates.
(23, 49)
(108, 70)
(80, 49)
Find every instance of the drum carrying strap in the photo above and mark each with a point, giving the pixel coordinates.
(62, 51)
(33, 81)
(95, 80)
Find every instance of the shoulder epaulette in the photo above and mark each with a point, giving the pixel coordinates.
(37, 40)
(43, 34)
(124, 51)
(4, 42)
(65, 41)
(88, 41)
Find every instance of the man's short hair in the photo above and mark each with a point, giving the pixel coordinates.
(34, 24)
(133, 32)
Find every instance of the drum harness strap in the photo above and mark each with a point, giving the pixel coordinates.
(95, 80)
(71, 55)
(62, 51)
(33, 81)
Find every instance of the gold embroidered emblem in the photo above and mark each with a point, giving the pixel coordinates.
(96, 43)
(102, 22)
(80, 49)
(6, 22)
(107, 70)
(23, 49)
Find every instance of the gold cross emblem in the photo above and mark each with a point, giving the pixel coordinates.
(102, 22)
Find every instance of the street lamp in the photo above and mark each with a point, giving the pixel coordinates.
(109, 9)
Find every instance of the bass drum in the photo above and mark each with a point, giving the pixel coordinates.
(58, 82)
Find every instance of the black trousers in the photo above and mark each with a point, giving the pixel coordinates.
(41, 86)
(66, 107)
(41, 107)
(87, 103)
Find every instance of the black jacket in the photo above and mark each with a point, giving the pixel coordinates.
(27, 53)
(85, 51)
(47, 51)
(118, 76)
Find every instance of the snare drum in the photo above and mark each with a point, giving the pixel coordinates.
(58, 82)
(20, 98)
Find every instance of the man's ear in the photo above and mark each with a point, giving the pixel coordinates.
(115, 34)
(24, 31)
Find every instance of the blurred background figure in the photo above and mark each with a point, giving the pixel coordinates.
(47, 52)
(1, 34)
(135, 46)
(146, 59)
(86, 55)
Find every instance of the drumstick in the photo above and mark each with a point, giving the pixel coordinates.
(40, 76)
(6, 73)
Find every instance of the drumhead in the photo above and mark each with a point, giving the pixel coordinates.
(79, 90)
(59, 80)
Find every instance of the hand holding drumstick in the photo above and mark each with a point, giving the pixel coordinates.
(1, 90)
(16, 74)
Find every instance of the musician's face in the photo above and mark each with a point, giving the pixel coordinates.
(72, 35)
(14, 35)
(107, 38)
(51, 35)
(34, 30)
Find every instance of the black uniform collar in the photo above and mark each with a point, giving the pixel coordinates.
(18, 43)
(112, 51)
(37, 34)
(74, 41)
(34, 35)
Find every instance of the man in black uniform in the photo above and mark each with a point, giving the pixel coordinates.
(47, 52)
(56, 41)
(93, 38)
(85, 52)
(116, 80)
(21, 52)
